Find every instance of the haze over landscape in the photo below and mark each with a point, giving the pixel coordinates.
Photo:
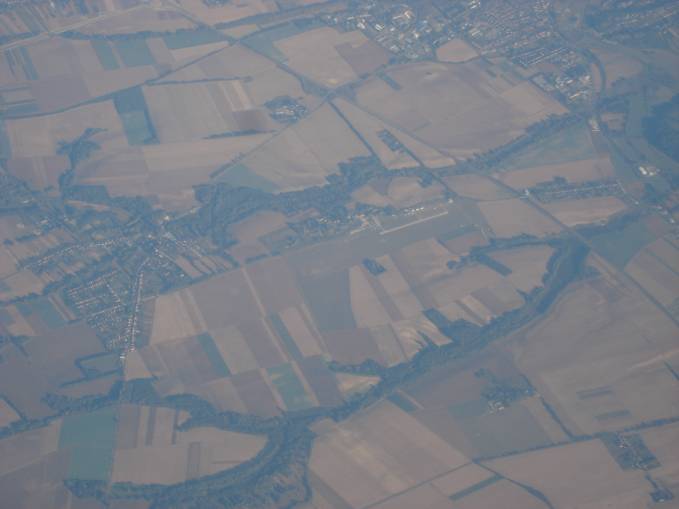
(343, 254)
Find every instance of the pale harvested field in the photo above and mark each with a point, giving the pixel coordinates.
(230, 447)
(365, 305)
(513, 217)
(222, 394)
(39, 172)
(135, 367)
(305, 153)
(314, 54)
(151, 465)
(397, 289)
(500, 494)
(425, 496)
(370, 127)
(574, 171)
(407, 192)
(105, 82)
(528, 265)
(190, 111)
(301, 331)
(461, 479)
(257, 225)
(667, 252)
(55, 57)
(499, 298)
(585, 211)
(176, 317)
(476, 187)
(370, 196)
(350, 384)
(388, 344)
(234, 349)
(454, 311)
(455, 51)
(656, 277)
(23, 449)
(378, 453)
(425, 261)
(145, 19)
(7, 262)
(409, 334)
(460, 283)
(457, 108)
(662, 443)
(273, 83)
(19, 326)
(20, 284)
(580, 475)
(40, 136)
(618, 65)
(615, 381)
(231, 11)
(7, 413)
(185, 56)
(167, 172)
(545, 421)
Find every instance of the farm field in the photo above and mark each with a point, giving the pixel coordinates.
(332, 254)
(482, 99)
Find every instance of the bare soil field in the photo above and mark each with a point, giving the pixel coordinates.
(575, 171)
(660, 442)
(7, 413)
(501, 493)
(144, 19)
(456, 123)
(614, 382)
(40, 136)
(655, 276)
(586, 210)
(370, 128)
(190, 111)
(455, 51)
(461, 479)
(316, 54)
(305, 153)
(232, 11)
(617, 65)
(379, 453)
(366, 306)
(39, 172)
(175, 317)
(512, 217)
(577, 475)
(528, 265)
(21, 450)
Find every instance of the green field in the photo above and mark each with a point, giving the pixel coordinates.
(133, 112)
(91, 440)
(571, 144)
(210, 349)
(289, 387)
(105, 54)
(189, 38)
(134, 52)
(44, 309)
